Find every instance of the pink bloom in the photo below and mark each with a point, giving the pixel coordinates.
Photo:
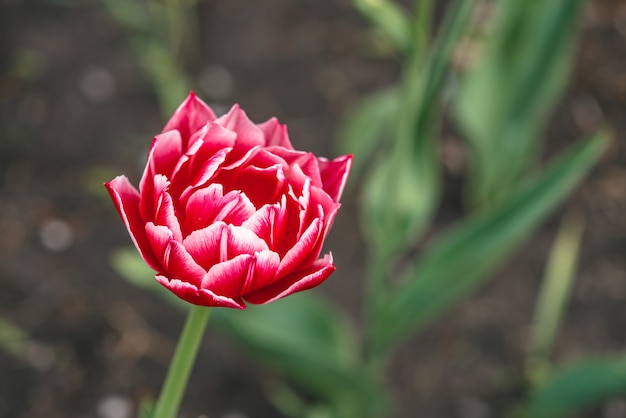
(228, 211)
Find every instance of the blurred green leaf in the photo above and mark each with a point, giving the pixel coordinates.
(27, 64)
(462, 259)
(13, 339)
(554, 293)
(367, 125)
(302, 336)
(505, 99)
(131, 267)
(389, 19)
(310, 342)
(146, 409)
(580, 385)
(402, 190)
(130, 13)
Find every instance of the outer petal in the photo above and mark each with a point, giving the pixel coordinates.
(205, 245)
(297, 281)
(229, 278)
(159, 238)
(190, 116)
(335, 174)
(126, 200)
(304, 247)
(153, 187)
(180, 265)
(265, 266)
(204, 297)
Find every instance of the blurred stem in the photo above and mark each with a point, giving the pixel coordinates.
(174, 16)
(377, 286)
(180, 368)
(422, 27)
(554, 294)
(179, 24)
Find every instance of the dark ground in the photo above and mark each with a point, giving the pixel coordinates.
(77, 109)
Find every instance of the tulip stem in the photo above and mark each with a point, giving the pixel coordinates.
(180, 368)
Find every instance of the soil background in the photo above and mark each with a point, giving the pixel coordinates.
(76, 109)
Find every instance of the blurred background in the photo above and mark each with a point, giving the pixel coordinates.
(78, 107)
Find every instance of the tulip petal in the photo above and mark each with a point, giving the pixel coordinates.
(268, 223)
(335, 175)
(166, 150)
(243, 241)
(217, 142)
(180, 265)
(220, 242)
(209, 205)
(229, 277)
(307, 164)
(266, 264)
(193, 294)
(248, 134)
(166, 215)
(303, 248)
(190, 116)
(275, 134)
(148, 201)
(261, 185)
(159, 237)
(205, 244)
(126, 200)
(297, 281)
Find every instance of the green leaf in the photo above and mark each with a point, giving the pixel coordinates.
(504, 100)
(13, 339)
(367, 125)
(130, 13)
(309, 341)
(127, 262)
(389, 19)
(463, 258)
(581, 385)
(554, 293)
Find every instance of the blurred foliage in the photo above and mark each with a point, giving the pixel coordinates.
(577, 386)
(505, 98)
(553, 296)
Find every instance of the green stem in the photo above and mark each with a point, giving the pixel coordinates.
(422, 25)
(180, 368)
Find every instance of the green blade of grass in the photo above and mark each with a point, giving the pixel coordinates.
(554, 293)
